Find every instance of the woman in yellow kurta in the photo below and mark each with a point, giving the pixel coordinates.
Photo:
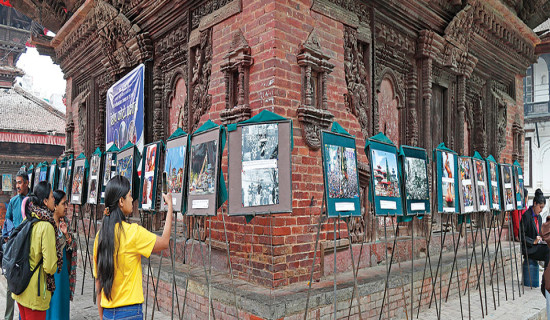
(118, 248)
(35, 300)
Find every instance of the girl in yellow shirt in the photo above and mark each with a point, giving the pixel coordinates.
(118, 248)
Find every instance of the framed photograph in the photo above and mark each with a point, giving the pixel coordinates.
(518, 186)
(61, 176)
(507, 181)
(259, 168)
(43, 172)
(95, 177)
(30, 173)
(109, 171)
(127, 160)
(78, 192)
(468, 198)
(340, 175)
(447, 181)
(203, 173)
(493, 175)
(7, 183)
(175, 166)
(385, 181)
(68, 177)
(36, 175)
(149, 170)
(415, 177)
(52, 174)
(480, 183)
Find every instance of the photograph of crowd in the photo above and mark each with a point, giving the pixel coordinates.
(78, 180)
(260, 142)
(260, 187)
(202, 177)
(416, 179)
(386, 183)
(480, 170)
(174, 168)
(482, 197)
(465, 169)
(341, 167)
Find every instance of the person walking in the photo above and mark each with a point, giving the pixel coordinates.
(35, 300)
(13, 220)
(118, 248)
(65, 277)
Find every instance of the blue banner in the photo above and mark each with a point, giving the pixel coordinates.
(124, 119)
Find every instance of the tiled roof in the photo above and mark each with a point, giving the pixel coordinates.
(22, 111)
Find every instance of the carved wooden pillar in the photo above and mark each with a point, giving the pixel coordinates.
(158, 125)
(412, 124)
(69, 129)
(313, 113)
(427, 102)
(461, 108)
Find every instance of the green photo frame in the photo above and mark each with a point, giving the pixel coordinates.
(507, 184)
(518, 186)
(127, 161)
(53, 174)
(466, 182)
(481, 183)
(79, 179)
(493, 174)
(447, 180)
(94, 181)
(340, 174)
(175, 166)
(149, 176)
(108, 170)
(416, 187)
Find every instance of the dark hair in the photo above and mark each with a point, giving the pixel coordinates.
(58, 195)
(40, 193)
(525, 193)
(539, 197)
(118, 187)
(538, 192)
(23, 175)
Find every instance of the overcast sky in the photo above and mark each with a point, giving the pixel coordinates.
(47, 78)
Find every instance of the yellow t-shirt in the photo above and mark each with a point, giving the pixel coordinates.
(134, 242)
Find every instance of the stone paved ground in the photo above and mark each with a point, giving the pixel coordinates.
(530, 306)
(83, 307)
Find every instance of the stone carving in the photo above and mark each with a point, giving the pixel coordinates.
(357, 80)
(236, 71)
(205, 9)
(200, 99)
(480, 137)
(502, 121)
(313, 113)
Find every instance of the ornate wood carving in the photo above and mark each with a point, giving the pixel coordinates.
(205, 9)
(200, 99)
(69, 130)
(412, 124)
(502, 121)
(358, 99)
(313, 113)
(236, 71)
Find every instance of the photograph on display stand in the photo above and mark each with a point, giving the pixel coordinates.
(259, 168)
(52, 174)
(175, 162)
(468, 201)
(415, 179)
(149, 176)
(7, 184)
(493, 184)
(447, 180)
(78, 183)
(109, 170)
(519, 186)
(507, 187)
(36, 175)
(127, 160)
(480, 179)
(94, 177)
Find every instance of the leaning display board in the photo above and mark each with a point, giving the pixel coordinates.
(68, 175)
(127, 160)
(109, 169)
(340, 174)
(78, 186)
(386, 180)
(203, 172)
(494, 181)
(30, 174)
(149, 170)
(480, 182)
(415, 180)
(447, 180)
(37, 174)
(259, 168)
(43, 171)
(95, 176)
(468, 198)
(507, 183)
(53, 174)
(175, 167)
(518, 183)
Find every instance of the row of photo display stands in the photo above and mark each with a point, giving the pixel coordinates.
(260, 176)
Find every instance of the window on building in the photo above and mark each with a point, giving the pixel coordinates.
(528, 86)
(539, 81)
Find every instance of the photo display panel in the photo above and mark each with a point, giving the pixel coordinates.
(126, 160)
(342, 194)
(52, 175)
(43, 172)
(149, 170)
(36, 175)
(30, 174)
(481, 185)
(415, 177)
(203, 173)
(494, 184)
(61, 178)
(468, 198)
(7, 184)
(386, 180)
(109, 171)
(175, 167)
(518, 186)
(68, 176)
(259, 168)
(507, 182)
(95, 177)
(78, 191)
(447, 181)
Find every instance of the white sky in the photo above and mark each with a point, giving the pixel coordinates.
(47, 78)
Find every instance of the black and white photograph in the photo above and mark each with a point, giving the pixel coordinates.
(260, 142)
(260, 187)
(93, 182)
(415, 179)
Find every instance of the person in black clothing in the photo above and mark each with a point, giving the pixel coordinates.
(533, 246)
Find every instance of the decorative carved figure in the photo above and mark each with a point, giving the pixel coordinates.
(201, 100)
